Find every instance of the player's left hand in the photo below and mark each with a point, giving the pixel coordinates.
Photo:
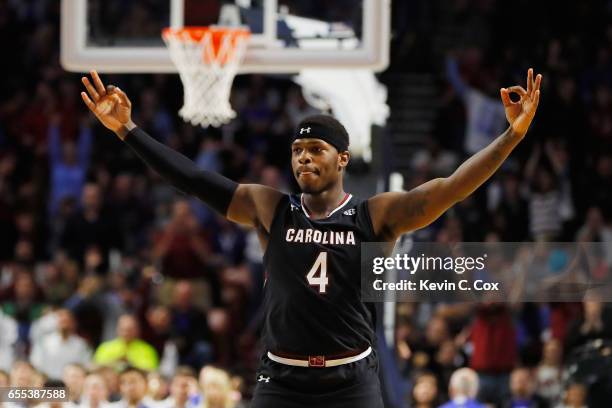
(521, 113)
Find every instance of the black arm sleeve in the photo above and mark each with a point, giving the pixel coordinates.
(212, 188)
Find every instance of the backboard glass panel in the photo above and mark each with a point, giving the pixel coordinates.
(287, 35)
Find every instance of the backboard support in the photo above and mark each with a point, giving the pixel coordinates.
(282, 42)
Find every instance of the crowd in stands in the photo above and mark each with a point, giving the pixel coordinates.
(556, 186)
(123, 289)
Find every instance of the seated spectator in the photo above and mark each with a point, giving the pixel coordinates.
(158, 332)
(181, 388)
(522, 391)
(447, 360)
(425, 392)
(95, 392)
(8, 328)
(190, 328)
(127, 347)
(548, 372)
(133, 386)
(22, 374)
(51, 353)
(74, 378)
(25, 305)
(595, 324)
(4, 379)
(463, 389)
(111, 379)
(216, 388)
(157, 387)
(55, 404)
(575, 396)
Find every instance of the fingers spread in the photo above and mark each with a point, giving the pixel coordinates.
(98, 83)
(529, 80)
(90, 89)
(536, 99)
(538, 81)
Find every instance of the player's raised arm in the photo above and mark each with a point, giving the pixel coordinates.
(399, 212)
(248, 204)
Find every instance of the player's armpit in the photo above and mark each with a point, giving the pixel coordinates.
(254, 205)
(395, 213)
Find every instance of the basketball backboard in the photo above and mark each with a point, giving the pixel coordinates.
(287, 35)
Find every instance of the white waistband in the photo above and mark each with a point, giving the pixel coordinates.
(328, 363)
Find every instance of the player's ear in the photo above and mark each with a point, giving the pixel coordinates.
(343, 159)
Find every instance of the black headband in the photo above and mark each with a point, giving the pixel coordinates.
(318, 131)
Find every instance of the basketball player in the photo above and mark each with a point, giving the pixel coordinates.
(318, 334)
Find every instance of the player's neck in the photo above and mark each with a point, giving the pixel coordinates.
(321, 204)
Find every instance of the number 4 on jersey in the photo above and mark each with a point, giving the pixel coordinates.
(319, 266)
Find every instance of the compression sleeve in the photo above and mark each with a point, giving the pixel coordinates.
(212, 188)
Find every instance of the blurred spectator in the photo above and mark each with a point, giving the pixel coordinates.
(510, 209)
(91, 226)
(130, 210)
(133, 386)
(23, 305)
(4, 379)
(127, 347)
(597, 185)
(216, 388)
(22, 374)
(95, 392)
(522, 391)
(157, 387)
(425, 392)
(183, 250)
(191, 333)
(8, 328)
(158, 332)
(494, 354)
(424, 352)
(485, 116)
(447, 360)
(550, 203)
(595, 324)
(111, 379)
(74, 377)
(51, 353)
(55, 404)
(549, 371)
(463, 389)
(575, 396)
(182, 384)
(69, 164)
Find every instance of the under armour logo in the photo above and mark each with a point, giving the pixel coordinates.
(350, 211)
(293, 207)
(305, 130)
(262, 378)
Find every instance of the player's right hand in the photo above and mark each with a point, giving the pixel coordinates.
(110, 105)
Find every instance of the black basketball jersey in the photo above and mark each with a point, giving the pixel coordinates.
(312, 291)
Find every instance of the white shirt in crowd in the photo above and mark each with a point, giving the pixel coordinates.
(52, 353)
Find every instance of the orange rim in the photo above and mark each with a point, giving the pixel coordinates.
(196, 33)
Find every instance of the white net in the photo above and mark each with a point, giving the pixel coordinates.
(207, 60)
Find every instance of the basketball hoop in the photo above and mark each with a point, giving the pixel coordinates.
(207, 59)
